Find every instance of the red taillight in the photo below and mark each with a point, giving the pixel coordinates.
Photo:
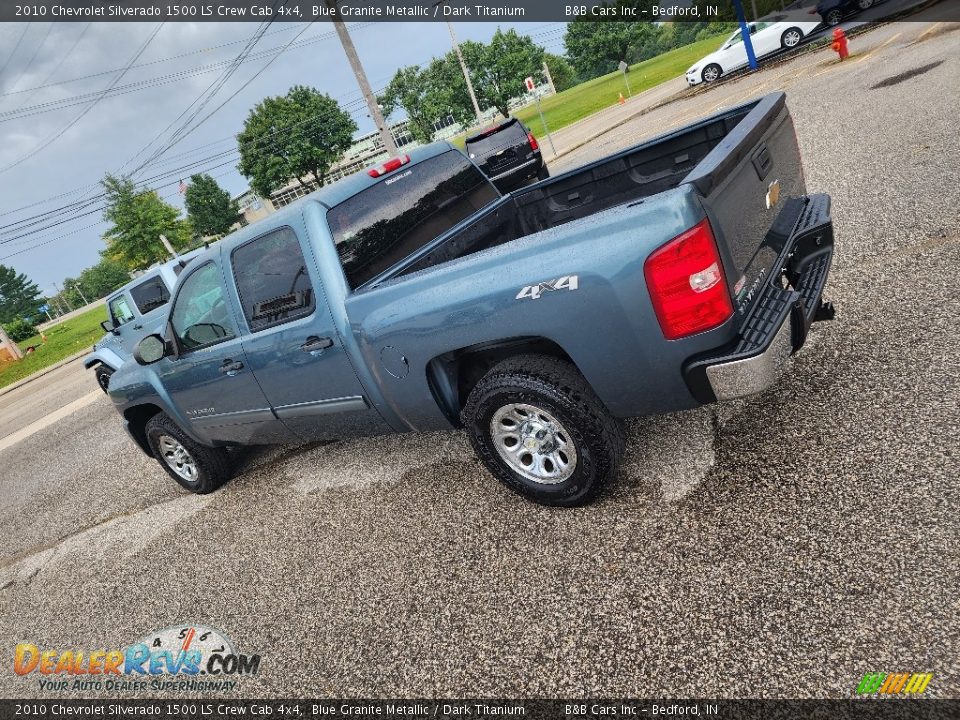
(389, 166)
(686, 284)
(533, 141)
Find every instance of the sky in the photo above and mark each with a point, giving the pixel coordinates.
(88, 140)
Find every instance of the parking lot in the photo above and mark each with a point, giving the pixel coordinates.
(778, 546)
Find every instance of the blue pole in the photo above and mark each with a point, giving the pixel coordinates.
(745, 32)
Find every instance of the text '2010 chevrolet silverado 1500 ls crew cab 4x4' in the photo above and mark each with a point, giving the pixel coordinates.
(416, 297)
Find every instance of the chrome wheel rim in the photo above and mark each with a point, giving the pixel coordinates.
(533, 443)
(792, 39)
(834, 17)
(103, 380)
(177, 458)
(865, 4)
(710, 74)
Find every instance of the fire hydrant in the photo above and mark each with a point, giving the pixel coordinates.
(839, 43)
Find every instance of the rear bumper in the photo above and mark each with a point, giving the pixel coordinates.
(776, 327)
(518, 173)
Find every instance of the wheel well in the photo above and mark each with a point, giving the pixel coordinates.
(454, 374)
(137, 418)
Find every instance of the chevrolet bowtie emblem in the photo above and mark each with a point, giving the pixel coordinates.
(773, 194)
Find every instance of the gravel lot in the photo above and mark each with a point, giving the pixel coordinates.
(780, 546)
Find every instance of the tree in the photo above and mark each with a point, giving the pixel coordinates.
(19, 329)
(596, 47)
(139, 218)
(499, 67)
(563, 74)
(19, 297)
(428, 95)
(297, 135)
(209, 207)
(94, 282)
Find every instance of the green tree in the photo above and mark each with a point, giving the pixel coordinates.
(297, 135)
(562, 72)
(498, 68)
(596, 47)
(209, 207)
(139, 219)
(19, 297)
(19, 330)
(411, 89)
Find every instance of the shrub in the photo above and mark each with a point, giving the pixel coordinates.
(20, 329)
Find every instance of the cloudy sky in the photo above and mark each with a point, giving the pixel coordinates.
(55, 144)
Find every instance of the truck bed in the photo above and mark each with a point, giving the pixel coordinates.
(626, 177)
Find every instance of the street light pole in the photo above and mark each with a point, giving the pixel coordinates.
(362, 81)
(63, 297)
(466, 73)
(76, 286)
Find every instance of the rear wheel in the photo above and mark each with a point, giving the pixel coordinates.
(711, 73)
(791, 37)
(103, 374)
(864, 4)
(542, 431)
(198, 468)
(833, 17)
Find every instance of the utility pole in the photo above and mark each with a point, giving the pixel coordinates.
(76, 286)
(362, 81)
(63, 297)
(466, 73)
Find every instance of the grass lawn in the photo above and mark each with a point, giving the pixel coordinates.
(587, 98)
(63, 340)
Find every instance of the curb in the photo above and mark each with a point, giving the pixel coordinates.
(40, 373)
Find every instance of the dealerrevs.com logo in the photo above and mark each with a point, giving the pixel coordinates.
(883, 684)
(186, 657)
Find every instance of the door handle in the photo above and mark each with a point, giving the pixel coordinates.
(231, 368)
(138, 327)
(314, 343)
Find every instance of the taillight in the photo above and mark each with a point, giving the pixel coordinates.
(389, 166)
(533, 141)
(686, 284)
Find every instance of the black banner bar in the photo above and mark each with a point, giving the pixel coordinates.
(424, 10)
(213, 709)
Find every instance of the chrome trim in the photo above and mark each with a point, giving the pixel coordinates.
(329, 406)
(239, 417)
(754, 374)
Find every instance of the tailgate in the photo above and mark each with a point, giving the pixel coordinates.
(752, 187)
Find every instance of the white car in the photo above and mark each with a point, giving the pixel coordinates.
(768, 36)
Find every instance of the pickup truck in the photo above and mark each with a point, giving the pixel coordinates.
(414, 296)
(133, 311)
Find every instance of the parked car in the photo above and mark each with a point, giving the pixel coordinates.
(834, 11)
(508, 154)
(774, 33)
(135, 310)
(415, 297)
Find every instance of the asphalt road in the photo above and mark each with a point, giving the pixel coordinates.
(778, 546)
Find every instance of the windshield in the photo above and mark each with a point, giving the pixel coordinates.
(391, 220)
(507, 136)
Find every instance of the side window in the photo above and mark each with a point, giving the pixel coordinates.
(120, 311)
(200, 315)
(272, 280)
(150, 295)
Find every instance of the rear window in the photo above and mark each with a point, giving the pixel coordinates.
(150, 295)
(509, 136)
(405, 211)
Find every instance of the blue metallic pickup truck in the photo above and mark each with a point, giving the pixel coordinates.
(414, 296)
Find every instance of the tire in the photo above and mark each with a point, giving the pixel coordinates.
(711, 73)
(864, 4)
(210, 466)
(833, 17)
(791, 37)
(543, 173)
(584, 443)
(103, 374)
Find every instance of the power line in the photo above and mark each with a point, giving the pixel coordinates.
(34, 56)
(78, 118)
(15, 48)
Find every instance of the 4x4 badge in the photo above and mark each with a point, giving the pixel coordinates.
(567, 282)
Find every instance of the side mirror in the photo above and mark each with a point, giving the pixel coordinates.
(150, 349)
(109, 327)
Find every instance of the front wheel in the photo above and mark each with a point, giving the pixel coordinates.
(864, 4)
(103, 374)
(834, 17)
(791, 38)
(711, 73)
(198, 468)
(542, 431)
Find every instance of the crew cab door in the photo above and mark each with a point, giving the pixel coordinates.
(211, 382)
(291, 341)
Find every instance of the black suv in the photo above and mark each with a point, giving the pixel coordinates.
(508, 154)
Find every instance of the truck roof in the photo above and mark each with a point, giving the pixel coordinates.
(329, 196)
